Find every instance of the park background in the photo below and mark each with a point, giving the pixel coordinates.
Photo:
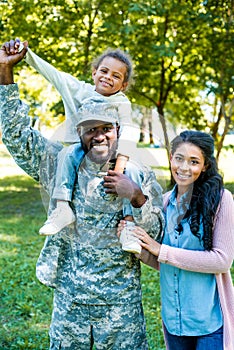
(183, 60)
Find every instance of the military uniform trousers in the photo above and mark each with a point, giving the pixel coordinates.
(107, 327)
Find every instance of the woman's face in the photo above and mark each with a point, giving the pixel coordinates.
(187, 163)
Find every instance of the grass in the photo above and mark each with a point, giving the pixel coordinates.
(25, 304)
(25, 308)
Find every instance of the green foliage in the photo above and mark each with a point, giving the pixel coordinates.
(230, 187)
(179, 48)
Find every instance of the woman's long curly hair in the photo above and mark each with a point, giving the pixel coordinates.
(207, 189)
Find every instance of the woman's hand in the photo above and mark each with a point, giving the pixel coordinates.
(120, 227)
(147, 242)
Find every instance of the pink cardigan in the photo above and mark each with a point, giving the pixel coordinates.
(217, 261)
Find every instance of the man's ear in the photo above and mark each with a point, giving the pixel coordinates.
(79, 131)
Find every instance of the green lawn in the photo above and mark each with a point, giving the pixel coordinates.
(25, 307)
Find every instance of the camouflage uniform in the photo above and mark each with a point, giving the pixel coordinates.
(97, 285)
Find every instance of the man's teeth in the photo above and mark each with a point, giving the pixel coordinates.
(100, 148)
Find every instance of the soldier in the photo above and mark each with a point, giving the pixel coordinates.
(97, 292)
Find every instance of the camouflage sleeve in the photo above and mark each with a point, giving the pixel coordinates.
(150, 216)
(27, 146)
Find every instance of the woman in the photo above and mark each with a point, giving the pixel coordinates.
(197, 250)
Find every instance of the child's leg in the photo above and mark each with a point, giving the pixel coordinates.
(59, 218)
(68, 160)
(130, 243)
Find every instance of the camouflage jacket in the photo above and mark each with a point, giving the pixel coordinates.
(85, 262)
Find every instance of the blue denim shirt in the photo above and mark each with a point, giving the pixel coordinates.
(190, 302)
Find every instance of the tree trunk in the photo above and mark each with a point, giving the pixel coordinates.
(143, 125)
(151, 138)
(166, 139)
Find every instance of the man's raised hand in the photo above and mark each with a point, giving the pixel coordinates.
(10, 53)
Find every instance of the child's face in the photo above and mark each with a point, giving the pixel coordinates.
(187, 163)
(109, 76)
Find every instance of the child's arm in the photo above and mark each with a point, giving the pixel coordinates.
(50, 73)
(67, 86)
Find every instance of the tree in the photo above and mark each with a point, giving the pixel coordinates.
(176, 48)
(218, 75)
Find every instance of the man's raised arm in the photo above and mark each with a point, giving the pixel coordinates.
(9, 57)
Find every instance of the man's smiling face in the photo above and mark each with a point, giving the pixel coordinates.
(99, 140)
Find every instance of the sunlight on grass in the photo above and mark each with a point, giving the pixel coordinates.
(41, 326)
(9, 238)
(13, 189)
(15, 221)
(8, 167)
(4, 254)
